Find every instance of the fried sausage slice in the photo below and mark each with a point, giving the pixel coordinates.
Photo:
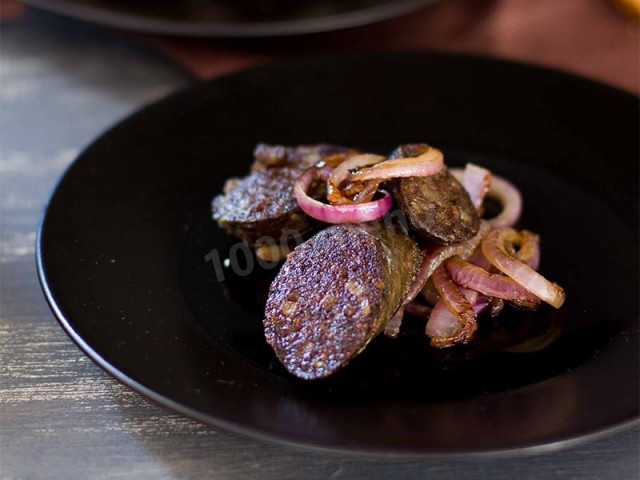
(438, 208)
(301, 156)
(261, 204)
(335, 293)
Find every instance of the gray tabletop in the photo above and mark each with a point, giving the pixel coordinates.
(61, 417)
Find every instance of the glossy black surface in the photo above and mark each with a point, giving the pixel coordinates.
(123, 243)
(230, 18)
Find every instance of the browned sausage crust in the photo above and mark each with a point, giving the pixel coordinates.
(335, 293)
(437, 207)
(301, 156)
(261, 204)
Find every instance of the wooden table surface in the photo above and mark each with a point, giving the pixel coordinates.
(61, 417)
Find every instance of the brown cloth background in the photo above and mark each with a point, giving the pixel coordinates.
(589, 37)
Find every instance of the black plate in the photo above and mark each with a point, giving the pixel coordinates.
(230, 18)
(122, 247)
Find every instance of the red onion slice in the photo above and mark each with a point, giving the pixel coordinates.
(479, 260)
(442, 322)
(446, 335)
(340, 174)
(476, 181)
(481, 303)
(469, 276)
(361, 212)
(392, 328)
(435, 258)
(429, 293)
(418, 310)
(511, 200)
(503, 191)
(494, 247)
(529, 252)
(359, 192)
(432, 261)
(429, 163)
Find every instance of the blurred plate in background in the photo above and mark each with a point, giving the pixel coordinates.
(229, 18)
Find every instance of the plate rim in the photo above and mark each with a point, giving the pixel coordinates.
(285, 28)
(259, 434)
